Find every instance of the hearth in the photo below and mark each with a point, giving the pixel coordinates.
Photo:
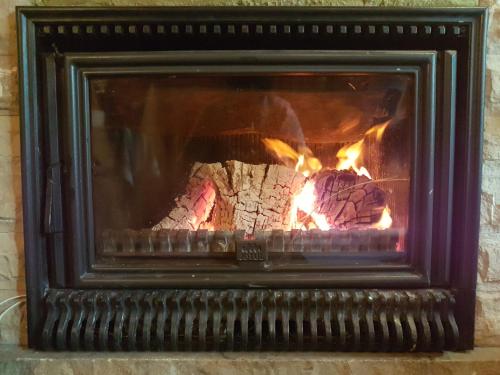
(251, 179)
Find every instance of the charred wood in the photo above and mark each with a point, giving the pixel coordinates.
(260, 197)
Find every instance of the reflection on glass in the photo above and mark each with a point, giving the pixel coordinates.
(300, 162)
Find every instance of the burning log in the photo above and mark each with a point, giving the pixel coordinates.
(192, 209)
(347, 200)
(249, 197)
(235, 195)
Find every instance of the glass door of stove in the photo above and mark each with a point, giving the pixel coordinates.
(283, 168)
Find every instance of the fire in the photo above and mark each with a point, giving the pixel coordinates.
(378, 130)
(304, 201)
(207, 226)
(302, 161)
(349, 154)
(385, 221)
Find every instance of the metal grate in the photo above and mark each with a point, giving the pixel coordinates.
(164, 242)
(333, 320)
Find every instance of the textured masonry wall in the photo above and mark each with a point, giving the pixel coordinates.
(13, 325)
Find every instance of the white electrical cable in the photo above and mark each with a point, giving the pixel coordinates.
(18, 303)
(12, 298)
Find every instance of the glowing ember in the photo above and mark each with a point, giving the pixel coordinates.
(304, 202)
(305, 199)
(385, 221)
(399, 247)
(302, 161)
(207, 226)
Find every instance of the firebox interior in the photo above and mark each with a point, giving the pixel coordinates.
(151, 136)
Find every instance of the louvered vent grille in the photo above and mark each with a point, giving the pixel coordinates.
(250, 320)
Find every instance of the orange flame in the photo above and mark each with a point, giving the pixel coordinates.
(349, 154)
(378, 130)
(305, 162)
(385, 220)
(302, 161)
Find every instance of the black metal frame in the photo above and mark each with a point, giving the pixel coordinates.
(80, 246)
(437, 45)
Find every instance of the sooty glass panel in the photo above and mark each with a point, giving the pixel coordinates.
(195, 164)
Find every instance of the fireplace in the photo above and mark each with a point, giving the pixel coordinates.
(205, 165)
(251, 179)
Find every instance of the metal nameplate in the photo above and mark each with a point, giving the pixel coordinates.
(250, 251)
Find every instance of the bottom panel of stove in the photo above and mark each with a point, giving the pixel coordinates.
(240, 320)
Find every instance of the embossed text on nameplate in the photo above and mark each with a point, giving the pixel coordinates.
(250, 251)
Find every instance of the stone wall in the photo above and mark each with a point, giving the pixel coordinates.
(488, 290)
(13, 325)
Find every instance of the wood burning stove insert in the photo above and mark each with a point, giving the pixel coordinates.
(251, 179)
